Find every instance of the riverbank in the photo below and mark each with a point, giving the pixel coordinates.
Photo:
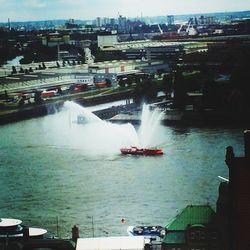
(50, 106)
(188, 118)
(127, 113)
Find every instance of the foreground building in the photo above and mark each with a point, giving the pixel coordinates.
(239, 197)
(193, 228)
(111, 243)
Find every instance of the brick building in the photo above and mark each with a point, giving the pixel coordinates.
(239, 197)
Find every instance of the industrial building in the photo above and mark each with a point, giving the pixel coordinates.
(54, 39)
(155, 52)
(106, 40)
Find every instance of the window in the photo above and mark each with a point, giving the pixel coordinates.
(192, 236)
(214, 235)
(203, 235)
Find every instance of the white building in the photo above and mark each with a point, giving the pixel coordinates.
(85, 79)
(111, 243)
(105, 41)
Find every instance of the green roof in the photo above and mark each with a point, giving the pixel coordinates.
(175, 238)
(192, 214)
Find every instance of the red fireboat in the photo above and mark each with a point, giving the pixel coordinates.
(141, 151)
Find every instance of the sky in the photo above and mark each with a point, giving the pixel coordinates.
(29, 10)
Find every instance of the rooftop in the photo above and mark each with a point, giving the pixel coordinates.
(192, 214)
(111, 243)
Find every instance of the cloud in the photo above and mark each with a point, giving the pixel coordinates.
(90, 9)
(36, 4)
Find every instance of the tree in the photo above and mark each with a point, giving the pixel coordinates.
(129, 81)
(38, 99)
(160, 72)
(108, 82)
(150, 90)
(206, 72)
(180, 95)
(228, 64)
(145, 91)
(240, 89)
(121, 83)
(239, 78)
(167, 84)
(43, 65)
(209, 94)
(136, 79)
(36, 52)
(6, 96)
(21, 102)
(138, 98)
(21, 70)
(152, 76)
(59, 90)
(13, 70)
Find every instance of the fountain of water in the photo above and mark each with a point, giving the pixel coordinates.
(150, 127)
(77, 127)
(81, 129)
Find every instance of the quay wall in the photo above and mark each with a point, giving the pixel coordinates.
(104, 98)
(33, 111)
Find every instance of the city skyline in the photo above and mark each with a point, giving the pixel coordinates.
(34, 10)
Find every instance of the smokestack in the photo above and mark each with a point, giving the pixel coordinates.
(247, 143)
(9, 24)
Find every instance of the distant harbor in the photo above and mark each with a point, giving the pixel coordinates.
(117, 132)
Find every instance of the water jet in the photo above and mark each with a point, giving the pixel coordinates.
(81, 129)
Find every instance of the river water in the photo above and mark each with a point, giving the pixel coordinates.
(56, 173)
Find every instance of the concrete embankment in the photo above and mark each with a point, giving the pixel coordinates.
(49, 107)
(9, 116)
(104, 98)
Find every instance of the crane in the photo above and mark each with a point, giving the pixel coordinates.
(160, 29)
